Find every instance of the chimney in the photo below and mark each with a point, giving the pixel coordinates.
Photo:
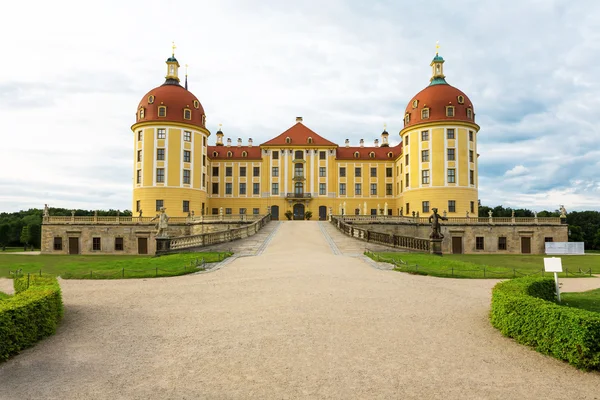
(250, 142)
(228, 142)
(298, 119)
(362, 142)
(347, 142)
(376, 142)
(239, 142)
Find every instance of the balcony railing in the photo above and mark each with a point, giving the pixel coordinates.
(298, 195)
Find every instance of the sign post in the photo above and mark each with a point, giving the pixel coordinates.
(554, 264)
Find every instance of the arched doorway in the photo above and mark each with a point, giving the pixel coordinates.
(322, 213)
(298, 211)
(275, 213)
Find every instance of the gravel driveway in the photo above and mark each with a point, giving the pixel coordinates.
(295, 322)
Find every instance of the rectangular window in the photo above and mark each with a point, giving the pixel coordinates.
(471, 177)
(215, 171)
(451, 175)
(342, 172)
(203, 180)
(139, 155)
(451, 155)
(389, 172)
(425, 113)
(322, 172)
(407, 184)
(357, 189)
(256, 188)
(139, 136)
(472, 207)
(242, 171)
(215, 211)
(425, 206)
(425, 176)
(342, 189)
(138, 178)
(159, 204)
(322, 155)
(160, 175)
(162, 133)
(228, 171)
(203, 160)
(373, 189)
(471, 156)
(256, 171)
(357, 172)
(204, 141)
(548, 240)
(479, 243)
(425, 156)
(186, 176)
(389, 189)
(373, 172)
(406, 140)
(425, 136)
(407, 208)
(215, 188)
(275, 189)
(242, 188)
(160, 154)
(255, 211)
(96, 243)
(137, 205)
(187, 136)
(228, 188)
(275, 155)
(451, 205)
(450, 133)
(501, 243)
(57, 243)
(242, 211)
(162, 111)
(186, 206)
(275, 171)
(470, 136)
(406, 160)
(322, 189)
(187, 156)
(228, 211)
(449, 111)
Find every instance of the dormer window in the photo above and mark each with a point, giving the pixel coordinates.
(390, 155)
(150, 99)
(449, 111)
(196, 104)
(142, 112)
(162, 111)
(187, 113)
(356, 154)
(309, 140)
(461, 99)
(415, 103)
(469, 113)
(425, 113)
(288, 140)
(244, 154)
(229, 154)
(407, 118)
(372, 154)
(203, 119)
(215, 154)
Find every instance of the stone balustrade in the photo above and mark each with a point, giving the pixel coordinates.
(388, 219)
(129, 220)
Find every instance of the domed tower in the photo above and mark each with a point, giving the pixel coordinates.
(170, 157)
(440, 149)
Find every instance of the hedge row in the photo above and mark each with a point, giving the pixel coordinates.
(525, 309)
(30, 315)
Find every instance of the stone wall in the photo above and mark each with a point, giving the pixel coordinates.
(469, 233)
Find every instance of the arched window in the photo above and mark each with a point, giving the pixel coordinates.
(407, 118)
(299, 170)
(309, 140)
(372, 154)
(215, 154)
(390, 155)
(162, 111)
(244, 154)
(187, 113)
(298, 155)
(469, 113)
(356, 154)
(288, 140)
(229, 154)
(142, 112)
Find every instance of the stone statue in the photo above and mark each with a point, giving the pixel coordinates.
(140, 213)
(417, 214)
(72, 213)
(490, 213)
(163, 223)
(535, 214)
(563, 211)
(46, 212)
(512, 214)
(401, 210)
(193, 213)
(444, 213)
(467, 214)
(434, 220)
(95, 214)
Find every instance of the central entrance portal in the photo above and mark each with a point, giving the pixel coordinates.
(298, 211)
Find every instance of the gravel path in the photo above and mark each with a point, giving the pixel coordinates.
(296, 322)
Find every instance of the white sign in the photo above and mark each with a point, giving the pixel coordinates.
(553, 264)
(564, 248)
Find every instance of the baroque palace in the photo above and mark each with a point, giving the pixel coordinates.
(434, 166)
(226, 191)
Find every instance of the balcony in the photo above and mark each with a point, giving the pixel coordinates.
(298, 196)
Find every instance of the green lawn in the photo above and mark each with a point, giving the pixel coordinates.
(589, 300)
(105, 266)
(3, 296)
(487, 265)
(14, 250)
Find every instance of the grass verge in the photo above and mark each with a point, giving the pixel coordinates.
(589, 300)
(107, 266)
(483, 266)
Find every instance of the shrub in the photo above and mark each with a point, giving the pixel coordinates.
(30, 315)
(524, 310)
(288, 214)
(308, 215)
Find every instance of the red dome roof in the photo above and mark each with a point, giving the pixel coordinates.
(436, 98)
(176, 99)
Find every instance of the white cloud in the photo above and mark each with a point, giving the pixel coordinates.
(518, 170)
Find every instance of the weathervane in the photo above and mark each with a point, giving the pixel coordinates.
(173, 47)
(437, 47)
(384, 126)
(186, 67)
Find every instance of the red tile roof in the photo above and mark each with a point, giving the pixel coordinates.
(299, 135)
(252, 153)
(380, 153)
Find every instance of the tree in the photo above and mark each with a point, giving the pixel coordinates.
(25, 235)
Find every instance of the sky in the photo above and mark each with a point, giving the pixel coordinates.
(73, 72)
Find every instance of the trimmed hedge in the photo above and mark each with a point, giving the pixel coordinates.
(524, 309)
(30, 315)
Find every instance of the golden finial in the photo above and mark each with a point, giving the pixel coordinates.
(186, 66)
(437, 47)
(173, 47)
(384, 126)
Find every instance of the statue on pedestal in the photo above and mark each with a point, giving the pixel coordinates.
(163, 223)
(434, 220)
(46, 212)
(140, 213)
(563, 211)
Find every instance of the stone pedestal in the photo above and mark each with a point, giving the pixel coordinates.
(435, 246)
(163, 245)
